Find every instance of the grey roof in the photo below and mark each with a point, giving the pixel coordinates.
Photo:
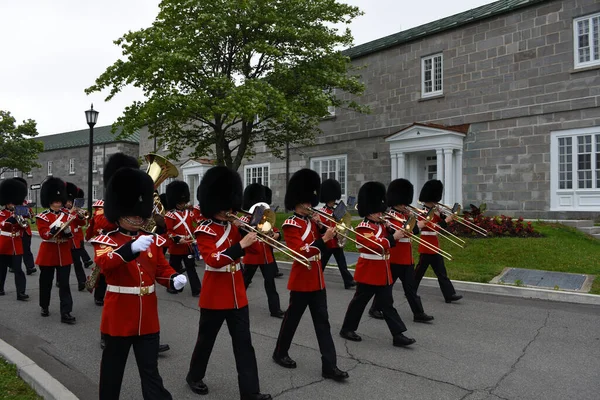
(454, 21)
(102, 135)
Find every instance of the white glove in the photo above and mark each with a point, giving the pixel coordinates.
(142, 243)
(179, 282)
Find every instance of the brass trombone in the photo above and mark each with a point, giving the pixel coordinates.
(340, 227)
(428, 215)
(455, 210)
(265, 238)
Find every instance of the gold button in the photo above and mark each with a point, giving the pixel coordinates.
(142, 282)
(141, 272)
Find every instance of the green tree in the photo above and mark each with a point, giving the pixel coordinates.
(18, 149)
(220, 75)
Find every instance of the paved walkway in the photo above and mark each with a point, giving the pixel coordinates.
(484, 347)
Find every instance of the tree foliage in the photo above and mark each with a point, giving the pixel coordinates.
(221, 75)
(18, 149)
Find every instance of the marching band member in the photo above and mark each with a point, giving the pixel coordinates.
(12, 192)
(132, 263)
(399, 195)
(162, 230)
(179, 230)
(76, 241)
(223, 297)
(260, 255)
(307, 286)
(431, 193)
(331, 191)
(269, 201)
(373, 272)
(27, 254)
(55, 250)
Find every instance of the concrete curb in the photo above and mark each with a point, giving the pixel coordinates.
(40, 380)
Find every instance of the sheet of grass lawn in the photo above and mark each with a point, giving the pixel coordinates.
(11, 386)
(561, 249)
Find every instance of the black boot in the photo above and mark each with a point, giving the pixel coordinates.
(163, 347)
(336, 374)
(31, 271)
(278, 314)
(350, 285)
(401, 341)
(81, 287)
(422, 317)
(102, 342)
(45, 312)
(22, 296)
(67, 318)
(454, 297)
(350, 336)
(285, 361)
(99, 302)
(255, 396)
(375, 313)
(88, 264)
(197, 387)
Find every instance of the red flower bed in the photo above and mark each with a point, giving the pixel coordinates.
(495, 226)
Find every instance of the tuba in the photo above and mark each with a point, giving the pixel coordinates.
(159, 169)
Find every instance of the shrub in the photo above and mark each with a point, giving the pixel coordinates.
(497, 226)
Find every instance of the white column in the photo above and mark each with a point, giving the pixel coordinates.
(458, 173)
(440, 164)
(448, 177)
(401, 166)
(413, 168)
(394, 166)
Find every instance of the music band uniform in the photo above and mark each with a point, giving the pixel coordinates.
(78, 252)
(223, 295)
(26, 238)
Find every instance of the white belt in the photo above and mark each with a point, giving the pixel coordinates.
(374, 256)
(404, 240)
(228, 268)
(428, 233)
(138, 291)
(55, 240)
(9, 234)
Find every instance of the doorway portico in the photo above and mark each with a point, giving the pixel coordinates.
(422, 152)
(193, 171)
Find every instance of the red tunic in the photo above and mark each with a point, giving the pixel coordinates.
(302, 235)
(197, 215)
(11, 242)
(429, 234)
(53, 251)
(258, 253)
(179, 223)
(99, 224)
(223, 283)
(333, 243)
(401, 253)
(77, 230)
(126, 314)
(28, 230)
(370, 268)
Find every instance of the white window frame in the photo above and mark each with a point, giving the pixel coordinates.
(574, 198)
(331, 109)
(29, 195)
(340, 158)
(266, 178)
(49, 168)
(94, 164)
(433, 92)
(594, 53)
(71, 166)
(15, 173)
(163, 186)
(30, 174)
(94, 192)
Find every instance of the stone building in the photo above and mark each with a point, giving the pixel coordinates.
(65, 156)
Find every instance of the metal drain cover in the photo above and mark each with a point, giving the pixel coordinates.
(543, 279)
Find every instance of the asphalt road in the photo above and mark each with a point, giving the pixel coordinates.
(484, 347)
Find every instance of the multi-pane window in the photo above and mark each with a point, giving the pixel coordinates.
(29, 195)
(565, 163)
(579, 162)
(331, 168)
(587, 40)
(432, 75)
(15, 173)
(71, 166)
(258, 173)
(30, 174)
(49, 168)
(584, 162)
(94, 192)
(94, 164)
(598, 161)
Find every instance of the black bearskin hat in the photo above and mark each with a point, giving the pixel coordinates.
(254, 193)
(177, 192)
(220, 190)
(130, 192)
(72, 191)
(304, 187)
(400, 192)
(371, 198)
(330, 190)
(268, 195)
(80, 194)
(115, 162)
(12, 191)
(432, 191)
(23, 181)
(163, 200)
(53, 189)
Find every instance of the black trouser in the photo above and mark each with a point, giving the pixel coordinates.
(384, 301)
(268, 272)
(114, 359)
(437, 264)
(85, 257)
(64, 291)
(238, 323)
(406, 273)
(317, 304)
(100, 289)
(27, 254)
(189, 265)
(340, 259)
(77, 256)
(14, 262)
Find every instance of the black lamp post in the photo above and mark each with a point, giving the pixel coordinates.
(91, 117)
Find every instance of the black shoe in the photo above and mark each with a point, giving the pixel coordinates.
(2, 292)
(336, 374)
(22, 296)
(454, 297)
(423, 318)
(45, 312)
(285, 361)
(172, 291)
(102, 343)
(31, 271)
(350, 285)
(81, 287)
(278, 274)
(401, 341)
(376, 314)
(197, 387)
(350, 336)
(278, 314)
(67, 318)
(163, 347)
(196, 294)
(88, 264)
(99, 302)
(255, 396)
(11, 270)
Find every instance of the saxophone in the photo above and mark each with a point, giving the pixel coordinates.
(91, 281)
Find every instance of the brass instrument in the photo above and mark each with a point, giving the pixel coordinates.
(90, 283)
(19, 213)
(268, 219)
(455, 210)
(265, 238)
(428, 216)
(159, 169)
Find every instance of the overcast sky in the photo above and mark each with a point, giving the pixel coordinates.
(52, 50)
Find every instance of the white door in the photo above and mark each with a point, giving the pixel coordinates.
(427, 170)
(192, 181)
